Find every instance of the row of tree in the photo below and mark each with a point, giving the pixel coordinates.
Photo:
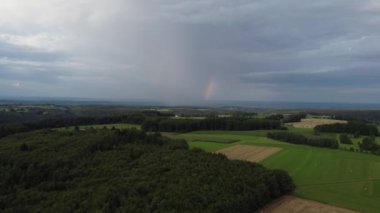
(127, 171)
(187, 125)
(295, 138)
(345, 139)
(358, 128)
(369, 144)
(294, 117)
(132, 118)
(363, 115)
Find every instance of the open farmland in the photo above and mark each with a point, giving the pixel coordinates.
(344, 179)
(249, 153)
(313, 122)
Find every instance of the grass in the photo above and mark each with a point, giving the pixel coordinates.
(340, 178)
(190, 117)
(209, 146)
(215, 140)
(165, 110)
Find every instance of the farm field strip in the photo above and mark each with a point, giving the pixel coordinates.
(337, 182)
(209, 146)
(234, 136)
(215, 140)
(313, 122)
(249, 153)
(291, 204)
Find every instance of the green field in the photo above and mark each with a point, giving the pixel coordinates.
(341, 178)
(191, 117)
(99, 126)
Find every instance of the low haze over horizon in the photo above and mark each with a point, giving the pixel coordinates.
(183, 51)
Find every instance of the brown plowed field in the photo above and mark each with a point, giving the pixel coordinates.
(291, 204)
(311, 123)
(249, 153)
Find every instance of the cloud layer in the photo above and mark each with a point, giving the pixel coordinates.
(173, 50)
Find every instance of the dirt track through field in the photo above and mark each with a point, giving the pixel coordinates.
(249, 153)
(291, 204)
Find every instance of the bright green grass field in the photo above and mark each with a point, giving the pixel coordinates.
(341, 178)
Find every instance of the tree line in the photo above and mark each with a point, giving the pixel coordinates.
(361, 115)
(294, 117)
(132, 118)
(102, 170)
(188, 125)
(295, 138)
(369, 144)
(357, 128)
(345, 139)
(22, 114)
(150, 121)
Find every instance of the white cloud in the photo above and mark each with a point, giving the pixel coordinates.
(40, 41)
(16, 84)
(372, 5)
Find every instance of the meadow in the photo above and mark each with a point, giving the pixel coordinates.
(341, 178)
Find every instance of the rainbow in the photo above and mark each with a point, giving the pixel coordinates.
(209, 88)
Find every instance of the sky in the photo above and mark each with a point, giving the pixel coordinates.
(189, 51)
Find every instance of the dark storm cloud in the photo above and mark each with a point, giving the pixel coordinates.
(174, 50)
(336, 78)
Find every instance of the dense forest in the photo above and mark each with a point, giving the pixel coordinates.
(18, 114)
(187, 125)
(357, 128)
(127, 171)
(150, 120)
(23, 118)
(295, 138)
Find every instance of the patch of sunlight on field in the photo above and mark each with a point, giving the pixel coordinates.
(313, 122)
